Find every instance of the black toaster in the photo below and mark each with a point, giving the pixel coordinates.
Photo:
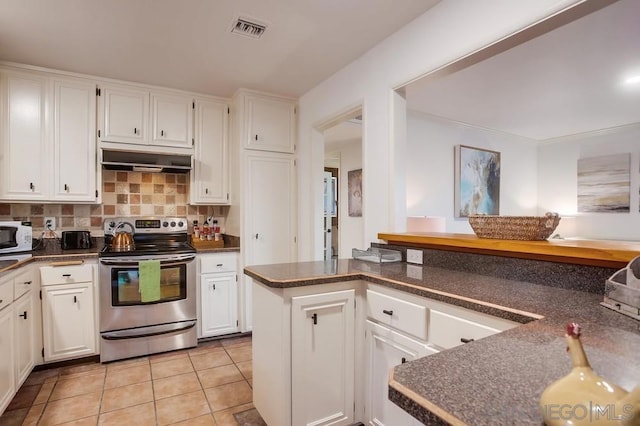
(76, 240)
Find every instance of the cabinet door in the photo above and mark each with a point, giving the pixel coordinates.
(74, 137)
(209, 179)
(125, 115)
(387, 349)
(25, 164)
(270, 124)
(7, 388)
(322, 358)
(172, 118)
(24, 324)
(270, 209)
(219, 304)
(68, 321)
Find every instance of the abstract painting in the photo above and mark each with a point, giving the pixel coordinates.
(354, 182)
(604, 183)
(477, 181)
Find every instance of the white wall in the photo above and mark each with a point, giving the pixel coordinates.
(350, 229)
(448, 31)
(430, 168)
(558, 182)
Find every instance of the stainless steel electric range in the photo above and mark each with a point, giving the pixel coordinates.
(131, 325)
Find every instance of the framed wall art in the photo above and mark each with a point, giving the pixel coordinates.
(477, 181)
(604, 184)
(354, 182)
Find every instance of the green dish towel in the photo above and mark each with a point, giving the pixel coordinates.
(149, 271)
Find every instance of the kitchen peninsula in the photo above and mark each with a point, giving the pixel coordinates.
(494, 380)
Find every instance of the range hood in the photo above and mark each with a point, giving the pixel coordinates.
(145, 161)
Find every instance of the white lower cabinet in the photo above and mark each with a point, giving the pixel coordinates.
(18, 329)
(7, 385)
(218, 294)
(23, 317)
(219, 304)
(387, 349)
(68, 312)
(304, 351)
(322, 358)
(68, 321)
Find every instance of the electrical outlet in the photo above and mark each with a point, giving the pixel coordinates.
(414, 256)
(50, 223)
(414, 271)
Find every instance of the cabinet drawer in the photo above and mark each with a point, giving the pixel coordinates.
(23, 283)
(223, 262)
(6, 293)
(51, 275)
(448, 331)
(400, 314)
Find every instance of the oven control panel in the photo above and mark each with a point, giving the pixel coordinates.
(146, 225)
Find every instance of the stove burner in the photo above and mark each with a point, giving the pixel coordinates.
(148, 240)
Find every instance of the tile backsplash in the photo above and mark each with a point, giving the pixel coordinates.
(123, 194)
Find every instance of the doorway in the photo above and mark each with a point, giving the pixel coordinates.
(342, 154)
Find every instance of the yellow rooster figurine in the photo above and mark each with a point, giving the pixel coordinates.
(584, 398)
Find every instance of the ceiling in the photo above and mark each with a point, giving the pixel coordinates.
(187, 44)
(567, 81)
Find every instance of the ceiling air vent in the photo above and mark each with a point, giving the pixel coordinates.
(248, 28)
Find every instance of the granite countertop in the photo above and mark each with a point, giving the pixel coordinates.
(52, 251)
(498, 379)
(217, 250)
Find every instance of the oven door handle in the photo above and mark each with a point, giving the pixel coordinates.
(174, 260)
(154, 330)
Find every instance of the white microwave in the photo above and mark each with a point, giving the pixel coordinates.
(15, 237)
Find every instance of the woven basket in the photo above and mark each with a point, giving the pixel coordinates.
(529, 228)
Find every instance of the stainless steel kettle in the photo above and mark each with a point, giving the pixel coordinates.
(123, 240)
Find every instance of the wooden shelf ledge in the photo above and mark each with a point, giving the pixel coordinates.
(611, 254)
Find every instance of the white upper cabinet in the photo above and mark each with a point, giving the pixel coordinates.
(74, 140)
(270, 124)
(24, 155)
(209, 178)
(124, 114)
(135, 115)
(172, 118)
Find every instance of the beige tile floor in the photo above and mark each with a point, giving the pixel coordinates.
(200, 386)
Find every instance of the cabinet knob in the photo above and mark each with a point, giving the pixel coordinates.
(388, 312)
(213, 286)
(256, 137)
(314, 317)
(404, 360)
(66, 275)
(1, 300)
(206, 190)
(27, 282)
(161, 132)
(66, 187)
(75, 299)
(24, 315)
(32, 186)
(135, 130)
(256, 236)
(463, 340)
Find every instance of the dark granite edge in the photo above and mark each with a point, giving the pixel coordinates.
(415, 408)
(471, 304)
(503, 312)
(217, 250)
(296, 282)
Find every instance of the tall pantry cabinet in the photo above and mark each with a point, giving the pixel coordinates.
(263, 188)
